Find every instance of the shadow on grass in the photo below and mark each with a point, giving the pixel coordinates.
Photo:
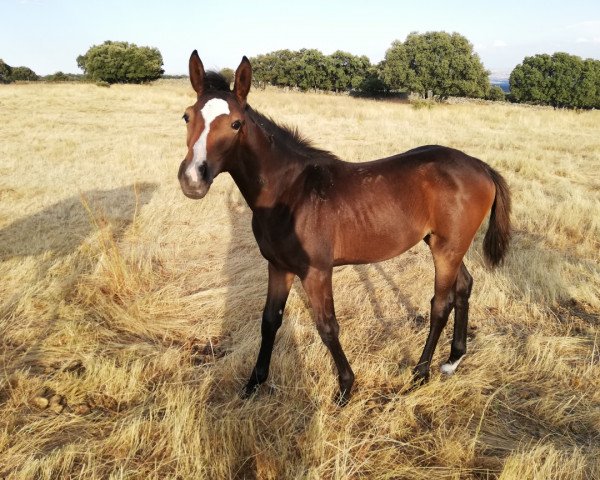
(257, 422)
(51, 234)
(60, 228)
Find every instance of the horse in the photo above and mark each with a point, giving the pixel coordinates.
(312, 211)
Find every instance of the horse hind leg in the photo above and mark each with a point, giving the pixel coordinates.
(447, 264)
(464, 284)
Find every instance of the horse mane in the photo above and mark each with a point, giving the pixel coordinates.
(285, 136)
(215, 82)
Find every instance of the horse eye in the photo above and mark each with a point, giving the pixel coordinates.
(236, 125)
(186, 117)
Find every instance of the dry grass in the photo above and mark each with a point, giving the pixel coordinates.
(135, 312)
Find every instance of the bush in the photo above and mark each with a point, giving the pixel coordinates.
(58, 77)
(5, 72)
(121, 62)
(496, 94)
(373, 85)
(228, 74)
(435, 64)
(24, 74)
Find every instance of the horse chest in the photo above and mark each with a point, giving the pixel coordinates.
(278, 242)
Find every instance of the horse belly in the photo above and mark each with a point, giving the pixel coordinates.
(376, 243)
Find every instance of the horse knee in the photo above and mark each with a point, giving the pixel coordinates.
(328, 330)
(464, 285)
(271, 321)
(441, 307)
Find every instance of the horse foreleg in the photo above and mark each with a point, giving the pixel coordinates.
(280, 283)
(318, 287)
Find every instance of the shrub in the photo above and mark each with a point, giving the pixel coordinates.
(5, 72)
(24, 74)
(58, 77)
(228, 74)
(496, 94)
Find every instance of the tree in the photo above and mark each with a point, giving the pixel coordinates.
(310, 69)
(228, 74)
(121, 62)
(24, 74)
(5, 72)
(349, 71)
(436, 63)
(561, 80)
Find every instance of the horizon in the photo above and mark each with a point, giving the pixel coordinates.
(48, 35)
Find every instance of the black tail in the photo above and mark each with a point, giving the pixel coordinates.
(497, 237)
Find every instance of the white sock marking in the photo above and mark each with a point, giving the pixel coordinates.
(211, 110)
(449, 367)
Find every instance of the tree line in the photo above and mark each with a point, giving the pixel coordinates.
(431, 64)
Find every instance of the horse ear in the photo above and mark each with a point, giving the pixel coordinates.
(243, 79)
(196, 72)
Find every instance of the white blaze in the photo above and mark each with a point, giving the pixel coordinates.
(211, 110)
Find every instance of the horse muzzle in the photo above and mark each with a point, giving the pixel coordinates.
(197, 187)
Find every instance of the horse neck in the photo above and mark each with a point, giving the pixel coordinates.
(263, 170)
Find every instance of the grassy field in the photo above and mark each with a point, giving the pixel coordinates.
(130, 315)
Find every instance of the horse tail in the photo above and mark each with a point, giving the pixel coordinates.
(497, 237)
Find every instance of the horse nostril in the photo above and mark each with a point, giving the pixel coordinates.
(202, 170)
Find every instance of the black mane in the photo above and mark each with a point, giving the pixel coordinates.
(283, 135)
(289, 137)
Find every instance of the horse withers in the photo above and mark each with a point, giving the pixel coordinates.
(313, 211)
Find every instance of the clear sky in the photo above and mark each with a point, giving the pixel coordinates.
(47, 35)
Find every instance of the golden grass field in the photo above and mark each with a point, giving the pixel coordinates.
(130, 315)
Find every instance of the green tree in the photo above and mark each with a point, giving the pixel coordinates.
(349, 71)
(24, 74)
(437, 63)
(312, 70)
(5, 72)
(561, 80)
(274, 68)
(121, 62)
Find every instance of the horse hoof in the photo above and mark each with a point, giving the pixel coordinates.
(449, 368)
(341, 399)
(419, 378)
(248, 391)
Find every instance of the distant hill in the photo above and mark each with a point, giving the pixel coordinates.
(500, 79)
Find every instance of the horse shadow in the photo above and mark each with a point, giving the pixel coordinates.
(286, 393)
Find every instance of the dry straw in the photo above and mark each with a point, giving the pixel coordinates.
(129, 315)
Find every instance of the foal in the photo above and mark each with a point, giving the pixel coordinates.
(312, 211)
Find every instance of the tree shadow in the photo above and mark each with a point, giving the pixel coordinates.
(60, 228)
(52, 234)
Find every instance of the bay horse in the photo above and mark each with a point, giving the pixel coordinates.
(312, 211)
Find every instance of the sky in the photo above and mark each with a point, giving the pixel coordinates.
(48, 35)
